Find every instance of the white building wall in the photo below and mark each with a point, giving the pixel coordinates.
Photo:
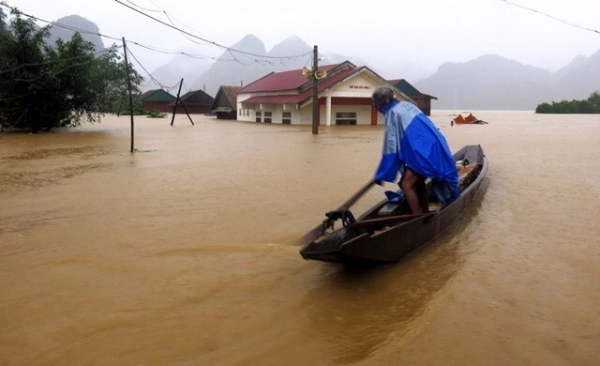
(360, 86)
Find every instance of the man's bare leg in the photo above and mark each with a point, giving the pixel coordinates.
(422, 194)
(408, 186)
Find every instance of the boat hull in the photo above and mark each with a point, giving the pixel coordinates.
(351, 246)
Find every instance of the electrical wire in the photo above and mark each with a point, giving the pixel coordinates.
(208, 41)
(550, 16)
(161, 85)
(161, 50)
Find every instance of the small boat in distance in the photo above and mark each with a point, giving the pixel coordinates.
(388, 231)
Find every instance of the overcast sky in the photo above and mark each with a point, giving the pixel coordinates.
(415, 36)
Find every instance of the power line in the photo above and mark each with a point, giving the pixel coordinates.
(208, 41)
(551, 17)
(170, 18)
(157, 49)
(161, 85)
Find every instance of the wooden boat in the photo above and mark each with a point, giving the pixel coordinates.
(388, 231)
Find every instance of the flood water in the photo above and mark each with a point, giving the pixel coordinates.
(185, 252)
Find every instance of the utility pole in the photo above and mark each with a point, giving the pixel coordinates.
(129, 87)
(315, 94)
(178, 100)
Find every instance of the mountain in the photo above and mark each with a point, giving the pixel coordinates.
(487, 82)
(578, 79)
(170, 74)
(79, 23)
(494, 82)
(254, 62)
(248, 60)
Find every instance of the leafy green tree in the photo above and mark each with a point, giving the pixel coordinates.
(591, 105)
(594, 100)
(543, 108)
(44, 87)
(23, 71)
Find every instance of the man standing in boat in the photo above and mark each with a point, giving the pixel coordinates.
(415, 148)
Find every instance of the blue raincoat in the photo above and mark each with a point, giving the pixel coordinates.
(412, 140)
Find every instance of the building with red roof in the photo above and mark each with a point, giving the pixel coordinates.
(344, 96)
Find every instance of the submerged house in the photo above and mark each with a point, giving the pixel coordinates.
(195, 102)
(157, 100)
(423, 101)
(225, 103)
(344, 97)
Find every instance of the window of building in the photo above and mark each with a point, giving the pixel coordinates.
(267, 117)
(345, 118)
(286, 118)
(258, 116)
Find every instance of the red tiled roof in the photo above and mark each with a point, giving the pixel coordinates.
(299, 98)
(281, 81)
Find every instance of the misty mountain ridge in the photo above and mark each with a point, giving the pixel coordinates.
(494, 82)
(75, 22)
(489, 82)
(253, 62)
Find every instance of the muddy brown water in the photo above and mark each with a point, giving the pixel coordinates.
(184, 252)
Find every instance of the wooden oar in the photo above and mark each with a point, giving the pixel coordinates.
(320, 229)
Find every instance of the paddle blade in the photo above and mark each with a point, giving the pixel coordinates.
(311, 235)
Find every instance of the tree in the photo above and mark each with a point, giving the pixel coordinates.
(594, 100)
(43, 87)
(2, 20)
(591, 105)
(543, 108)
(23, 70)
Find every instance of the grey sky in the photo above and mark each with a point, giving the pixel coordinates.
(394, 37)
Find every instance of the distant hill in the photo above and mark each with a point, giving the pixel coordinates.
(235, 68)
(170, 74)
(487, 82)
(490, 82)
(76, 22)
(241, 68)
(578, 79)
(493, 82)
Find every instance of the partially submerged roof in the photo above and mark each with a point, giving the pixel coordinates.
(230, 93)
(288, 80)
(459, 119)
(226, 99)
(470, 119)
(292, 87)
(197, 97)
(157, 95)
(408, 89)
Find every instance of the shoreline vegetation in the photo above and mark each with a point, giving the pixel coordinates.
(588, 106)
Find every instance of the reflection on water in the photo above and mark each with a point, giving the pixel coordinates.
(15, 181)
(184, 251)
(83, 152)
(358, 310)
